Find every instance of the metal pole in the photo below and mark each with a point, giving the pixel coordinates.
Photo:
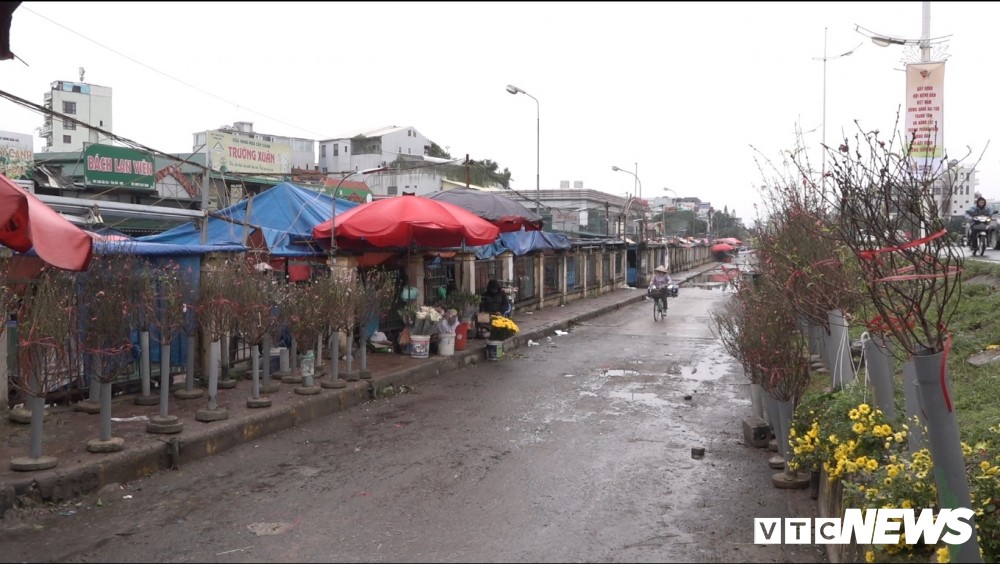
(333, 220)
(538, 156)
(538, 144)
(822, 178)
(204, 196)
(637, 183)
(925, 33)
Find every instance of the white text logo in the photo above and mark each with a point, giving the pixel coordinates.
(882, 526)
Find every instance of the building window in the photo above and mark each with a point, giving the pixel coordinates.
(345, 149)
(67, 139)
(69, 125)
(322, 151)
(392, 190)
(69, 107)
(335, 150)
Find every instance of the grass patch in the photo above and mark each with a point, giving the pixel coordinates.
(974, 327)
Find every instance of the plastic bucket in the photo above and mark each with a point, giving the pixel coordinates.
(494, 350)
(461, 336)
(446, 344)
(308, 365)
(421, 346)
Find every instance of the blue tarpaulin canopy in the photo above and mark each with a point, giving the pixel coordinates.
(522, 243)
(281, 217)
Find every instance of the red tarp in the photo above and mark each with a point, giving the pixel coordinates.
(407, 220)
(26, 222)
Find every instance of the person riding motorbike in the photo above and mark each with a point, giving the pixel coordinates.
(981, 208)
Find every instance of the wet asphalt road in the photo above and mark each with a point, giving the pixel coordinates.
(578, 449)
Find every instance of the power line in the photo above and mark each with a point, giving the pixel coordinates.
(174, 78)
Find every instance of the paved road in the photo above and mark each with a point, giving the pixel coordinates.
(575, 450)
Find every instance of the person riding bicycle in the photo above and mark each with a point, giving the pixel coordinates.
(661, 281)
(981, 208)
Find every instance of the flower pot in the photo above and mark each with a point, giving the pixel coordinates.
(421, 346)
(446, 344)
(494, 350)
(461, 336)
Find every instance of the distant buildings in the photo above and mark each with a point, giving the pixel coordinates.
(88, 103)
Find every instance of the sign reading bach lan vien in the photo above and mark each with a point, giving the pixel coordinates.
(107, 165)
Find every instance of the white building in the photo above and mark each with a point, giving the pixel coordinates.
(963, 186)
(381, 147)
(88, 103)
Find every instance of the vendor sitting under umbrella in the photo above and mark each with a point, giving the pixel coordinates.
(494, 299)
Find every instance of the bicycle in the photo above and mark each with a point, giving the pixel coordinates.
(659, 296)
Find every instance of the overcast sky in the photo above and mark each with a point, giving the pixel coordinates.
(688, 95)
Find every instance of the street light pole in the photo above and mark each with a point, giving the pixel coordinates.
(664, 210)
(824, 58)
(538, 146)
(924, 44)
(637, 179)
(639, 182)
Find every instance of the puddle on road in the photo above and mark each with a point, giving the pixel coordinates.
(702, 370)
(645, 398)
(716, 279)
(619, 373)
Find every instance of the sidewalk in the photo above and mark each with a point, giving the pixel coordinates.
(80, 472)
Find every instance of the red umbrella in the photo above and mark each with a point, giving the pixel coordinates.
(721, 248)
(402, 221)
(26, 222)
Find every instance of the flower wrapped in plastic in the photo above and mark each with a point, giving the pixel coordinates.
(421, 320)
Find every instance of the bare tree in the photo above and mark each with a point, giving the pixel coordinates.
(109, 290)
(170, 286)
(377, 295)
(45, 323)
(256, 319)
(217, 317)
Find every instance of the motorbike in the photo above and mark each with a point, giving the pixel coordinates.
(979, 231)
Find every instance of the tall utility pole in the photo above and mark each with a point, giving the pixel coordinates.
(824, 58)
